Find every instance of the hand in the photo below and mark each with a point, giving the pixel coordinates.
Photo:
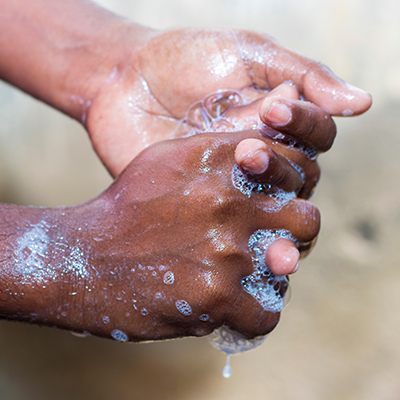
(131, 86)
(148, 93)
(175, 233)
(160, 254)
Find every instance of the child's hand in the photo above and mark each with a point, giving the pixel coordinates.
(148, 95)
(175, 235)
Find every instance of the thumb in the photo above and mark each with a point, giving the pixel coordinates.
(272, 64)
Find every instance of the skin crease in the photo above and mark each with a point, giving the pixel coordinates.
(105, 72)
(175, 86)
(167, 193)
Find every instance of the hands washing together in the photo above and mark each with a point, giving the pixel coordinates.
(212, 137)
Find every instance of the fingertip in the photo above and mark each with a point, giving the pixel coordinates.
(252, 155)
(363, 100)
(287, 90)
(275, 112)
(335, 96)
(282, 257)
(278, 114)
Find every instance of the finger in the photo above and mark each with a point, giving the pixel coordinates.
(322, 87)
(282, 257)
(265, 166)
(299, 217)
(227, 142)
(317, 83)
(272, 64)
(286, 90)
(249, 319)
(309, 168)
(303, 121)
(249, 113)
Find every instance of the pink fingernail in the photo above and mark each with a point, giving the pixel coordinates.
(257, 163)
(278, 114)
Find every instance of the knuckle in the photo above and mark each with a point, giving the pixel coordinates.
(329, 134)
(251, 322)
(313, 223)
(223, 206)
(306, 227)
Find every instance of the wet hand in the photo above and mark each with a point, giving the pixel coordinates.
(148, 92)
(174, 240)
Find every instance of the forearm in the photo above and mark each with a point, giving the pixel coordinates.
(62, 51)
(45, 265)
(64, 268)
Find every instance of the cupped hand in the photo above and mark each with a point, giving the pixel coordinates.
(173, 245)
(147, 94)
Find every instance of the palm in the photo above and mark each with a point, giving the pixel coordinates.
(148, 100)
(147, 97)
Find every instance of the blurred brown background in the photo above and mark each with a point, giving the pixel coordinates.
(338, 339)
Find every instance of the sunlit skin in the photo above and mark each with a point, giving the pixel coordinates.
(130, 86)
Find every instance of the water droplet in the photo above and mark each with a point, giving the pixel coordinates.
(183, 307)
(227, 370)
(119, 335)
(169, 278)
(81, 334)
(204, 317)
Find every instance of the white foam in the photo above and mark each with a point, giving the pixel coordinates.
(144, 311)
(232, 342)
(119, 335)
(81, 334)
(75, 263)
(241, 182)
(267, 288)
(183, 307)
(169, 278)
(204, 317)
(347, 113)
(281, 198)
(32, 262)
(298, 169)
(31, 255)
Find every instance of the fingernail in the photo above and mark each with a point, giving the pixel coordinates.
(257, 163)
(278, 114)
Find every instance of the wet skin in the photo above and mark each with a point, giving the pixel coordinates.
(130, 85)
(107, 75)
(148, 102)
(172, 209)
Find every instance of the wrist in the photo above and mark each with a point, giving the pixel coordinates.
(61, 52)
(109, 54)
(45, 271)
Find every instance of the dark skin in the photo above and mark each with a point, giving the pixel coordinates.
(219, 59)
(97, 68)
(130, 85)
(155, 218)
(109, 289)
